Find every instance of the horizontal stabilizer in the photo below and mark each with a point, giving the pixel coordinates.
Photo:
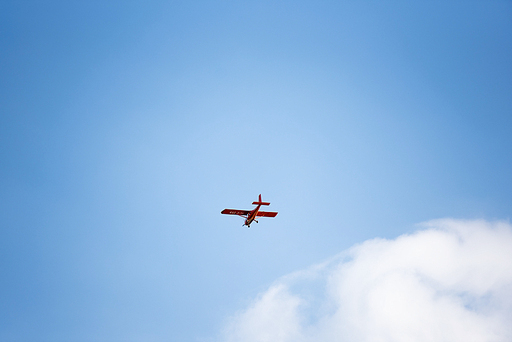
(261, 203)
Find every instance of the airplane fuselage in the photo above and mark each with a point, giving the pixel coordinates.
(252, 216)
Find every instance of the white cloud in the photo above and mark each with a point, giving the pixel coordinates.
(451, 281)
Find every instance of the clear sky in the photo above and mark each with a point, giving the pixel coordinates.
(126, 127)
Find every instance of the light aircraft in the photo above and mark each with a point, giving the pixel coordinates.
(250, 215)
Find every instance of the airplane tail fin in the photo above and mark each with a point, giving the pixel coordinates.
(259, 202)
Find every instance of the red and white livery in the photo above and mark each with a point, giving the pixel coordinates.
(251, 215)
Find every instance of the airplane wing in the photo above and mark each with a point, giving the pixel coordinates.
(266, 213)
(235, 212)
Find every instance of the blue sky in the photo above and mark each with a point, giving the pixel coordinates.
(127, 127)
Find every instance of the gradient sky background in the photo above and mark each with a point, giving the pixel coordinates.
(126, 127)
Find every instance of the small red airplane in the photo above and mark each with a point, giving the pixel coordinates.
(250, 215)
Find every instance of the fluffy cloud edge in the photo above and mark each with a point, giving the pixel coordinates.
(451, 280)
